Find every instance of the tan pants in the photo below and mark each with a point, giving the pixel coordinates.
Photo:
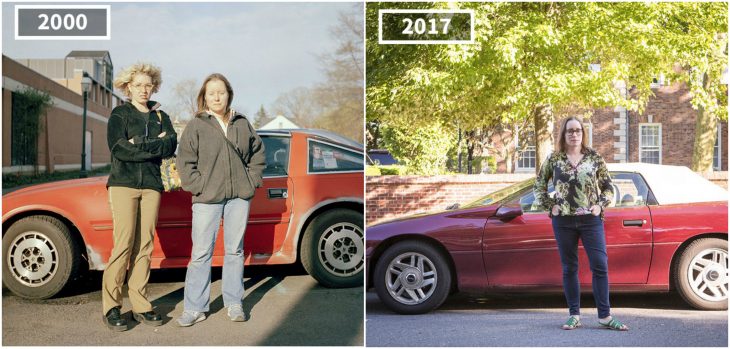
(134, 212)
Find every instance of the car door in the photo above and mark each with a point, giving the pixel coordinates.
(269, 214)
(271, 207)
(523, 251)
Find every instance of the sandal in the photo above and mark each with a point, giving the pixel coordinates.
(572, 323)
(614, 324)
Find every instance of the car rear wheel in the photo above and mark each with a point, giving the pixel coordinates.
(40, 257)
(333, 248)
(702, 274)
(412, 277)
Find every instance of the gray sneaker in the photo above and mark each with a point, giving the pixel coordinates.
(189, 318)
(235, 313)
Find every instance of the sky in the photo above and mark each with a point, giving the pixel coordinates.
(264, 49)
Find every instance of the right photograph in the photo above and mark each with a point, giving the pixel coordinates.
(546, 174)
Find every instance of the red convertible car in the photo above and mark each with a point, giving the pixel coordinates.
(666, 230)
(309, 209)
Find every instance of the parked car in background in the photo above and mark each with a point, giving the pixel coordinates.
(309, 210)
(666, 229)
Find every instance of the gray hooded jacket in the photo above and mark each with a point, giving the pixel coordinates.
(211, 169)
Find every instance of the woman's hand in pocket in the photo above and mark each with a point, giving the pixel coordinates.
(596, 210)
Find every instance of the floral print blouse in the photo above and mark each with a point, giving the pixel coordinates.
(576, 188)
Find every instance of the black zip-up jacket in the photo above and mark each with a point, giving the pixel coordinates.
(211, 168)
(138, 165)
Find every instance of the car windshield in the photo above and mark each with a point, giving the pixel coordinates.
(501, 194)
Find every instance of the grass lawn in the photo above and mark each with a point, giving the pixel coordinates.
(16, 180)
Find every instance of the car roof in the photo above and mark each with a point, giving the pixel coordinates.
(327, 135)
(674, 184)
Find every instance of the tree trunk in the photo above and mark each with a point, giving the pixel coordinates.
(705, 137)
(544, 124)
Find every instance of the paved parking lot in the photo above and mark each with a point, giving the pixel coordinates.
(658, 320)
(287, 307)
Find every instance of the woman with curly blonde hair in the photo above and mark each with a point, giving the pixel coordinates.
(139, 136)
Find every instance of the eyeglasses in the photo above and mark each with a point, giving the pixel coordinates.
(575, 131)
(141, 86)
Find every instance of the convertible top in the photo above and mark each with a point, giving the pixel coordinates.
(674, 184)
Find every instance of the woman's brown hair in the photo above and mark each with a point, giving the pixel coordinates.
(202, 107)
(562, 147)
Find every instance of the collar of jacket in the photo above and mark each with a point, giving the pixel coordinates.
(151, 105)
(236, 115)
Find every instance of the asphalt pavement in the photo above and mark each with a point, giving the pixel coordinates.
(655, 320)
(287, 307)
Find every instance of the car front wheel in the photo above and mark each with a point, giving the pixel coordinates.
(412, 277)
(333, 248)
(40, 257)
(702, 274)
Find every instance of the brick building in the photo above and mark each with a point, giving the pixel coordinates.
(60, 140)
(662, 134)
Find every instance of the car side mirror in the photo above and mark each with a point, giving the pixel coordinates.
(453, 206)
(506, 213)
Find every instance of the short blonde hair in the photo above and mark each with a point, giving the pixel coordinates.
(127, 74)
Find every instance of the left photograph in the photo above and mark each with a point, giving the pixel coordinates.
(183, 174)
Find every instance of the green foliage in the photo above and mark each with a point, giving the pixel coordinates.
(393, 170)
(372, 170)
(528, 55)
(29, 106)
(421, 149)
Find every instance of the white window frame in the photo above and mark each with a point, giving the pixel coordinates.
(532, 148)
(718, 145)
(647, 124)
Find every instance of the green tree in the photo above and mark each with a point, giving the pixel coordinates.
(530, 61)
(262, 117)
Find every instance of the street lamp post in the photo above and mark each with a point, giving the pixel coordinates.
(86, 87)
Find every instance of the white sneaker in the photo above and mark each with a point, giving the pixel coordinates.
(189, 318)
(235, 313)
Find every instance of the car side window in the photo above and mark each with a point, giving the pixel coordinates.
(324, 157)
(277, 156)
(629, 190)
(528, 202)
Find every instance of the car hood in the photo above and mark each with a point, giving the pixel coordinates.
(56, 186)
(422, 223)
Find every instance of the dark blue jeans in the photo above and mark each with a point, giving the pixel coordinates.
(589, 229)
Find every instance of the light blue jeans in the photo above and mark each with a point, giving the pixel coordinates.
(206, 222)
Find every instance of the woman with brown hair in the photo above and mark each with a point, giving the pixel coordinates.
(583, 190)
(221, 161)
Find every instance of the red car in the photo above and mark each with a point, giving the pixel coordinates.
(665, 230)
(309, 209)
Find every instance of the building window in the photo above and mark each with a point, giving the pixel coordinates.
(717, 151)
(526, 152)
(650, 143)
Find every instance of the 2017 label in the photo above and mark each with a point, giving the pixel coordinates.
(411, 26)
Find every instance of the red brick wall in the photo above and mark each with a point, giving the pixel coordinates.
(390, 197)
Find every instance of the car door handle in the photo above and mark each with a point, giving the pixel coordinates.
(634, 222)
(278, 193)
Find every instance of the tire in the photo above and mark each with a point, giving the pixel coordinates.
(402, 277)
(701, 274)
(333, 248)
(39, 257)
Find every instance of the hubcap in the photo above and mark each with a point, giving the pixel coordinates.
(341, 249)
(411, 278)
(32, 259)
(708, 274)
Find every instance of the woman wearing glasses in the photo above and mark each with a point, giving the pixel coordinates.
(582, 192)
(139, 135)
